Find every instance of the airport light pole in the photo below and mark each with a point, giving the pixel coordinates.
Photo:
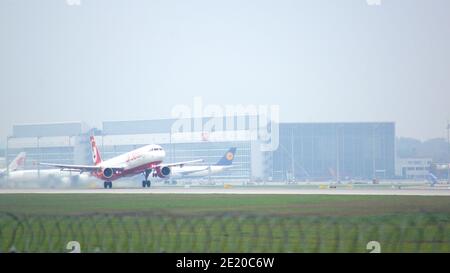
(448, 155)
(292, 155)
(337, 153)
(6, 160)
(373, 152)
(39, 157)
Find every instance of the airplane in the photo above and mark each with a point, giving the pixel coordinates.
(145, 160)
(15, 175)
(204, 170)
(16, 164)
(49, 175)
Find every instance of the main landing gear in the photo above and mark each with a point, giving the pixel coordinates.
(146, 182)
(107, 184)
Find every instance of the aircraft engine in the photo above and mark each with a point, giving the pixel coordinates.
(165, 171)
(108, 172)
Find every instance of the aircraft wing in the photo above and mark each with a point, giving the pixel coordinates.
(191, 171)
(80, 168)
(188, 172)
(181, 164)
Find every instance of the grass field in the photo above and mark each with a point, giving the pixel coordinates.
(223, 223)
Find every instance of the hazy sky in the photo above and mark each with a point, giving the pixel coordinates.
(136, 59)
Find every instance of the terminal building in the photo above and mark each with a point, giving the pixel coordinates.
(413, 168)
(192, 142)
(304, 151)
(66, 143)
(338, 151)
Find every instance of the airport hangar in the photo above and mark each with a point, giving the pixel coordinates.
(306, 151)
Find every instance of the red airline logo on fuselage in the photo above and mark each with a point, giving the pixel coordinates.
(133, 156)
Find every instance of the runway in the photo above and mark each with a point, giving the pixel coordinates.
(241, 190)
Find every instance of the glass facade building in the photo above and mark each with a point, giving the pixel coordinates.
(306, 151)
(338, 151)
(66, 143)
(122, 136)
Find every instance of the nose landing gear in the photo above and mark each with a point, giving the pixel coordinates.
(107, 184)
(146, 182)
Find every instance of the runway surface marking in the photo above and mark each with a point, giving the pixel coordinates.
(412, 192)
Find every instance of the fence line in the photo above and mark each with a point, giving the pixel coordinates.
(229, 232)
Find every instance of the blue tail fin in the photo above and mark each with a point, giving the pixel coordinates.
(227, 159)
(432, 178)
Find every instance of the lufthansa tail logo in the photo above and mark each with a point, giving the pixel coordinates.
(230, 156)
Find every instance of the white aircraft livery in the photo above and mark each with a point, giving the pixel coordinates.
(16, 164)
(144, 160)
(205, 170)
(15, 173)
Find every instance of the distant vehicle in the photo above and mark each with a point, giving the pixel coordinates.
(196, 171)
(145, 160)
(15, 165)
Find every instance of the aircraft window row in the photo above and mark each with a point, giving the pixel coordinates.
(156, 149)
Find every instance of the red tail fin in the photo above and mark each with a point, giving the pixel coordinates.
(96, 158)
(18, 162)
